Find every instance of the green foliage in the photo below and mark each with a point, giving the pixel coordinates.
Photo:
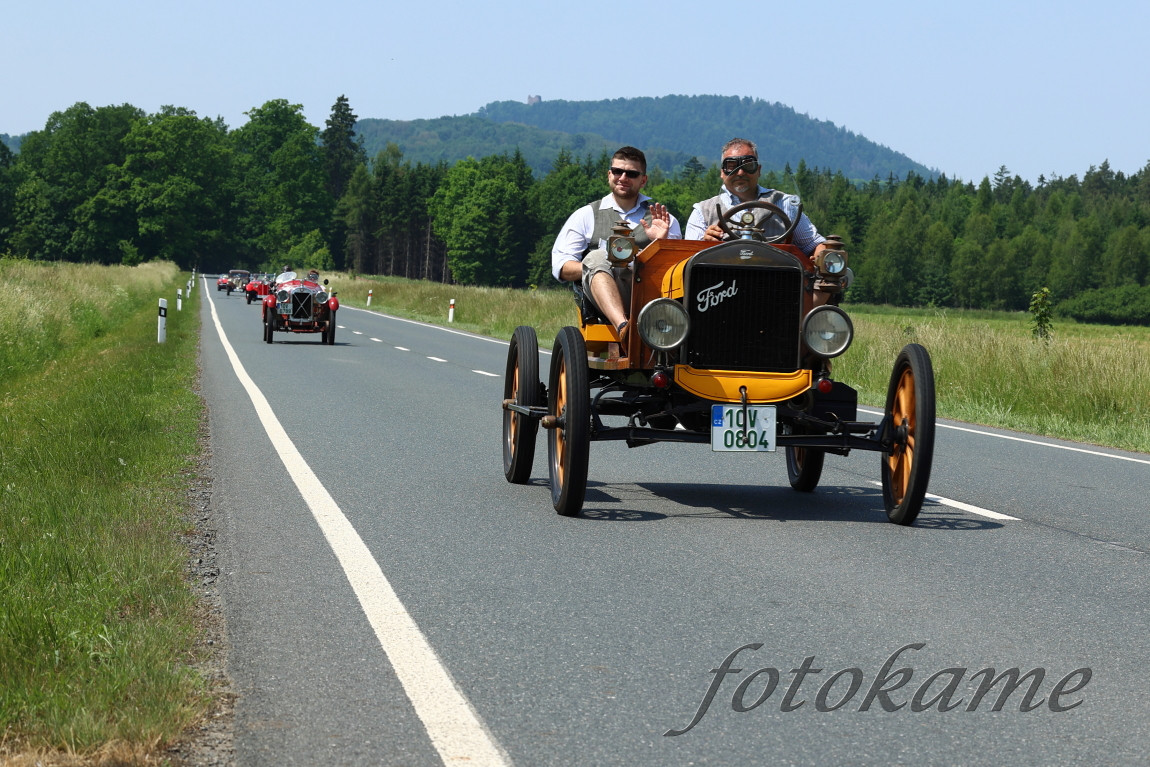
(282, 191)
(1125, 305)
(63, 168)
(1040, 315)
(479, 212)
(310, 253)
(174, 183)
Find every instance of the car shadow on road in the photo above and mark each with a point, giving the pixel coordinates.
(627, 503)
(306, 342)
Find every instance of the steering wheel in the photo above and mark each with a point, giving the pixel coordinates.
(745, 224)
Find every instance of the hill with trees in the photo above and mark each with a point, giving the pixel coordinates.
(671, 130)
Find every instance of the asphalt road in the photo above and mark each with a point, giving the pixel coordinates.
(392, 600)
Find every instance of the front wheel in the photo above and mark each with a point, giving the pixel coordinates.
(269, 326)
(804, 466)
(521, 385)
(328, 336)
(910, 410)
(569, 441)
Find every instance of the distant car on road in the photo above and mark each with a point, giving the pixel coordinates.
(258, 286)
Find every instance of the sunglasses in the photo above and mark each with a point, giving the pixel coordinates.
(748, 163)
(627, 173)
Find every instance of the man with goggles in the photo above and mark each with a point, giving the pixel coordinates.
(580, 252)
(740, 169)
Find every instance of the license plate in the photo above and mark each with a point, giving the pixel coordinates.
(729, 435)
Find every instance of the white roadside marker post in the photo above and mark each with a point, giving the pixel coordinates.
(162, 330)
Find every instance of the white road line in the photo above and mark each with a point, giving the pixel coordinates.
(437, 359)
(358, 332)
(962, 506)
(377, 340)
(403, 348)
(972, 509)
(485, 373)
(1030, 441)
(451, 723)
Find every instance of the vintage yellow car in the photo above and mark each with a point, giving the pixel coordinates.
(733, 348)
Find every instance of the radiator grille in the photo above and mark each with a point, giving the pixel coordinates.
(301, 305)
(743, 318)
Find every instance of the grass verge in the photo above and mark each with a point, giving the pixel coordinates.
(97, 447)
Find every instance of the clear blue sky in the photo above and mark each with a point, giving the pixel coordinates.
(1048, 87)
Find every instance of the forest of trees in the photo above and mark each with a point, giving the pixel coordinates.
(116, 185)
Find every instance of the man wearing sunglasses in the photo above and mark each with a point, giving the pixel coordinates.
(740, 171)
(580, 252)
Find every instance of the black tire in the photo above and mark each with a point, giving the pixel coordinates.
(910, 407)
(329, 332)
(804, 467)
(568, 444)
(269, 325)
(521, 384)
(249, 295)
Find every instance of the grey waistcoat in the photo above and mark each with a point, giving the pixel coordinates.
(605, 220)
(713, 207)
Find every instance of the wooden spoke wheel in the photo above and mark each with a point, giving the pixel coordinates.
(910, 408)
(521, 384)
(569, 402)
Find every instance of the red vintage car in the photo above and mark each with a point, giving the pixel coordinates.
(259, 286)
(300, 305)
(235, 279)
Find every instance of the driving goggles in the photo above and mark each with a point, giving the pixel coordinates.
(748, 163)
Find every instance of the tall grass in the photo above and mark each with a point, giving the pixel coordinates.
(1089, 383)
(46, 308)
(97, 437)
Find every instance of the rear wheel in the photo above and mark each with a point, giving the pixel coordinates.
(521, 384)
(568, 443)
(804, 465)
(910, 408)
